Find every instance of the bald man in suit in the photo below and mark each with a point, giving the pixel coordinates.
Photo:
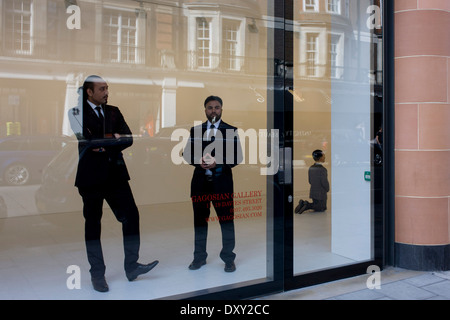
(102, 175)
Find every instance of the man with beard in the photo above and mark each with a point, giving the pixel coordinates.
(213, 180)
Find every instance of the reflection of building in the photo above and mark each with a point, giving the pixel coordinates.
(145, 45)
(330, 34)
(323, 45)
(156, 52)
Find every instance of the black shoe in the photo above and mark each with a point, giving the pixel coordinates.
(230, 267)
(100, 284)
(303, 208)
(195, 265)
(141, 269)
(300, 205)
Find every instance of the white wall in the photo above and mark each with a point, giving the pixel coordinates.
(351, 228)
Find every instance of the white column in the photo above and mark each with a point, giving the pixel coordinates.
(72, 100)
(351, 225)
(169, 103)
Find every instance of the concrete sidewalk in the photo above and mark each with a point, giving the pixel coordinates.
(396, 284)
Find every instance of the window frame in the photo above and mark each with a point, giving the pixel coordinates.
(307, 6)
(119, 29)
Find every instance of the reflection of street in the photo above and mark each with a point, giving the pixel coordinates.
(19, 200)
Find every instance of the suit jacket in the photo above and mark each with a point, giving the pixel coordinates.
(96, 168)
(225, 148)
(318, 178)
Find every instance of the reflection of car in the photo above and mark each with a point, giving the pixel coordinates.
(148, 161)
(22, 158)
(56, 192)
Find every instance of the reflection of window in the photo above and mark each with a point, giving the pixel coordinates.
(230, 44)
(311, 5)
(19, 25)
(120, 32)
(334, 56)
(203, 43)
(334, 6)
(312, 44)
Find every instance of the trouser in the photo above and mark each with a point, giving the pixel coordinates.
(225, 214)
(316, 205)
(119, 197)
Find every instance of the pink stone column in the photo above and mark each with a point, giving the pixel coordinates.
(422, 124)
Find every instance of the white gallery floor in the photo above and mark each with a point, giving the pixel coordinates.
(36, 251)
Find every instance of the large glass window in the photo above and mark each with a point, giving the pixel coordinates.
(161, 60)
(43, 228)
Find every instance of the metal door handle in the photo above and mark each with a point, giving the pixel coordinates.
(285, 166)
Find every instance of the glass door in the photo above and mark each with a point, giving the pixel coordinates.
(336, 136)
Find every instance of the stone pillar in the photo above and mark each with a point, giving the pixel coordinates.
(422, 134)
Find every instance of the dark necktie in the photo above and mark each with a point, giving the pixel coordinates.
(211, 135)
(102, 119)
(100, 115)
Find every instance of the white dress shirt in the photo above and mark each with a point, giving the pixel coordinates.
(208, 130)
(95, 110)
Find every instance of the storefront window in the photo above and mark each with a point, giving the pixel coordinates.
(160, 61)
(334, 80)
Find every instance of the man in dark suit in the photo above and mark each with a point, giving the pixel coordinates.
(213, 149)
(102, 175)
(318, 179)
